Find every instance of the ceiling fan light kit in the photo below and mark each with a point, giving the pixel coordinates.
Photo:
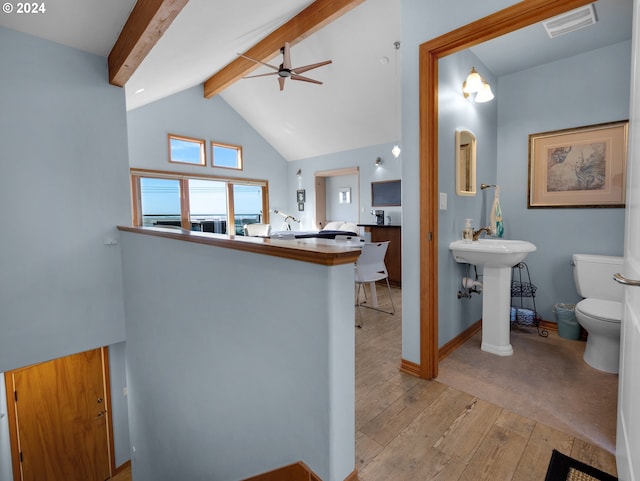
(285, 71)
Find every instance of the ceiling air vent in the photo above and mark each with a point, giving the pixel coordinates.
(570, 21)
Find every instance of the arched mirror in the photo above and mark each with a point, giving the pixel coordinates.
(465, 162)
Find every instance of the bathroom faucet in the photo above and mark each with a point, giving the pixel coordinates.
(477, 233)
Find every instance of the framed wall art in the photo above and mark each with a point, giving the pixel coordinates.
(579, 167)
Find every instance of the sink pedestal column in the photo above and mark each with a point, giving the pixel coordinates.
(496, 309)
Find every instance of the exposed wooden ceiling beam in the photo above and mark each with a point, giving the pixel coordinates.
(317, 15)
(147, 22)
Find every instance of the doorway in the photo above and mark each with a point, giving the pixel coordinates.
(520, 15)
(320, 181)
(59, 419)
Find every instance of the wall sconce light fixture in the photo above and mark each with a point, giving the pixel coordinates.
(378, 162)
(299, 173)
(475, 84)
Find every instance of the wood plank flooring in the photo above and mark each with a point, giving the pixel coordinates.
(409, 429)
(412, 429)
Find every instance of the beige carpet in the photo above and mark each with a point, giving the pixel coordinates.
(546, 380)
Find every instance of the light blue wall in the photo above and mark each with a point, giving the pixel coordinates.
(364, 159)
(6, 471)
(587, 89)
(454, 113)
(118, 376)
(262, 364)
(347, 212)
(422, 20)
(189, 113)
(600, 77)
(64, 186)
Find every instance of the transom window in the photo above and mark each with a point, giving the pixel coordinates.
(186, 150)
(226, 155)
(221, 205)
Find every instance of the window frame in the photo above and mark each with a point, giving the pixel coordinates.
(184, 138)
(237, 148)
(183, 177)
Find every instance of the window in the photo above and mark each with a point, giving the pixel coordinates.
(227, 156)
(186, 150)
(220, 205)
(160, 201)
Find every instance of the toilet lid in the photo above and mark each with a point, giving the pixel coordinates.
(609, 311)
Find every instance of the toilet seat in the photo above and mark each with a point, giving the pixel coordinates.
(600, 309)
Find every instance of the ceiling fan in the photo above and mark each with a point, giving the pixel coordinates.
(285, 70)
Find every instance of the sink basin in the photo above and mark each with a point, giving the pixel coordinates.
(491, 252)
(496, 256)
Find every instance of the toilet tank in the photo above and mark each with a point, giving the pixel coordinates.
(593, 275)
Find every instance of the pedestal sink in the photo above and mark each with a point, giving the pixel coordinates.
(496, 256)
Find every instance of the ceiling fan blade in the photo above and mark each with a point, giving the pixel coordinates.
(286, 57)
(261, 75)
(281, 82)
(304, 79)
(306, 68)
(258, 61)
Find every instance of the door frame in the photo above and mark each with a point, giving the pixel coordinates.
(13, 428)
(522, 14)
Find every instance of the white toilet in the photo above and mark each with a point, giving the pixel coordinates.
(600, 312)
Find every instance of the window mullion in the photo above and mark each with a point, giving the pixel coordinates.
(185, 210)
(231, 221)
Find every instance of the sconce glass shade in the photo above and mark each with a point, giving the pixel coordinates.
(473, 83)
(396, 151)
(485, 94)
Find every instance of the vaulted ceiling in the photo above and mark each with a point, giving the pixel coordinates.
(188, 41)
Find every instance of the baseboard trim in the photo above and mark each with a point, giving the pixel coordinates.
(123, 466)
(548, 325)
(410, 368)
(353, 476)
(413, 369)
(459, 340)
(292, 472)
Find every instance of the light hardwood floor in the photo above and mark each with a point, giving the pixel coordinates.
(409, 429)
(412, 429)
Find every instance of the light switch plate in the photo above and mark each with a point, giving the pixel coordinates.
(443, 201)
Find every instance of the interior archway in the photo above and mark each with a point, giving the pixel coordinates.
(522, 14)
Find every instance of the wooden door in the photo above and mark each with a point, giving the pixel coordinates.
(61, 415)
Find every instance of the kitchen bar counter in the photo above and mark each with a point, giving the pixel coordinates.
(306, 250)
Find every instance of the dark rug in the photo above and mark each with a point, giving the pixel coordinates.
(564, 468)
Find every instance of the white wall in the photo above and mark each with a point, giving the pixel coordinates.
(261, 360)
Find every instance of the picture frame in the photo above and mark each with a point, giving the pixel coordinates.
(301, 195)
(300, 206)
(344, 195)
(579, 167)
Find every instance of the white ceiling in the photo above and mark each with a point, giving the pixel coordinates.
(356, 105)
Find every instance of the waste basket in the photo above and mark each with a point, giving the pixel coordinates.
(568, 326)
